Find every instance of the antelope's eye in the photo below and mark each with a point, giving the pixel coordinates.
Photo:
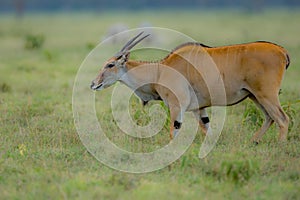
(110, 65)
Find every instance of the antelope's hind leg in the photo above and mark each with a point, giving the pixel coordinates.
(275, 113)
(266, 125)
(203, 119)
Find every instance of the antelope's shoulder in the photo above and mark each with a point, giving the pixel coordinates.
(185, 48)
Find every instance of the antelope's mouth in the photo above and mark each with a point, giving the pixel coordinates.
(96, 87)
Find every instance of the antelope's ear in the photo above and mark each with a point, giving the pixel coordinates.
(126, 56)
(123, 58)
(122, 55)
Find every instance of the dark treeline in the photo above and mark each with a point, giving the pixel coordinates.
(56, 5)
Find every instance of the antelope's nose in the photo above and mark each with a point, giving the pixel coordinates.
(92, 85)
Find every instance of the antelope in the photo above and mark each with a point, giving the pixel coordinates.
(252, 70)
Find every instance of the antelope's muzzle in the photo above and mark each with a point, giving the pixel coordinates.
(93, 86)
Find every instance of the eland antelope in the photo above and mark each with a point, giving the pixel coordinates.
(253, 70)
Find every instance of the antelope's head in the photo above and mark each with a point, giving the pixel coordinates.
(115, 67)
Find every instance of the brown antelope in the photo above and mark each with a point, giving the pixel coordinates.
(253, 70)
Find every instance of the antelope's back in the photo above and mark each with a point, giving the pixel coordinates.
(265, 57)
(243, 65)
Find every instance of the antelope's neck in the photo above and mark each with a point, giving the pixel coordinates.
(134, 63)
(141, 77)
(140, 72)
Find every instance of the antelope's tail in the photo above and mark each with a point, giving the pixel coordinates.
(288, 61)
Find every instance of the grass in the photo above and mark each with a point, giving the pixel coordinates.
(42, 157)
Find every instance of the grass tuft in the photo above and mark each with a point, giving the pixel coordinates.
(34, 41)
(4, 87)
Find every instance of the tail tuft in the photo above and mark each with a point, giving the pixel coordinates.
(288, 61)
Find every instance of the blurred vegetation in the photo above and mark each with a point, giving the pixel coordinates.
(238, 171)
(5, 87)
(103, 5)
(34, 41)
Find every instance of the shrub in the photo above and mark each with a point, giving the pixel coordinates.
(34, 41)
(48, 55)
(90, 45)
(5, 88)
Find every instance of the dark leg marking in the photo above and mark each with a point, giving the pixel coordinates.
(205, 120)
(177, 125)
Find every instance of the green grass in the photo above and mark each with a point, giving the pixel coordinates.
(42, 157)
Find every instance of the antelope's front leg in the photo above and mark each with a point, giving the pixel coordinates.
(203, 119)
(176, 118)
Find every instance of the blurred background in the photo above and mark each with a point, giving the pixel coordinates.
(21, 6)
